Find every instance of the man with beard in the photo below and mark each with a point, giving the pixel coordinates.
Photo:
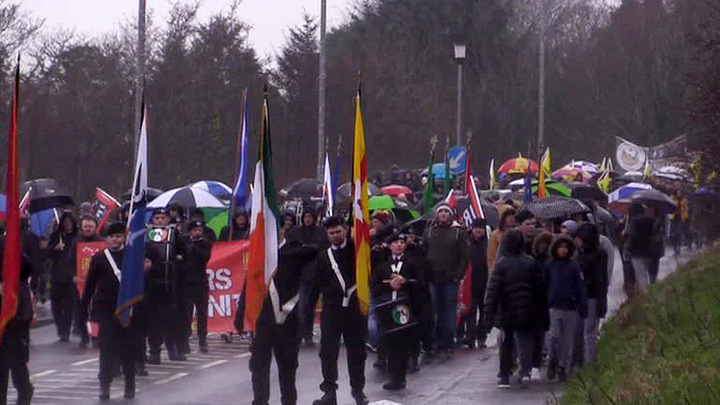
(309, 234)
(88, 228)
(341, 314)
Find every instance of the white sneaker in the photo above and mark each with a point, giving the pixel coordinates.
(535, 374)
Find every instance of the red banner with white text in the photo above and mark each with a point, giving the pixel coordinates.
(226, 272)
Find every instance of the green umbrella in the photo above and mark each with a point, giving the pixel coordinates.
(553, 188)
(216, 219)
(381, 202)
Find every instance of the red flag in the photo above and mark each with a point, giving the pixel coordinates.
(11, 253)
(105, 204)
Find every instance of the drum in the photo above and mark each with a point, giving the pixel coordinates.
(394, 316)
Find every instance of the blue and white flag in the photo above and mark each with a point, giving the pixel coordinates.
(241, 185)
(132, 282)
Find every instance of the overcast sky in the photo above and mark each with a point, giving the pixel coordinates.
(269, 19)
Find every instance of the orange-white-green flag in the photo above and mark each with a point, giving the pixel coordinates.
(360, 216)
(263, 258)
(545, 170)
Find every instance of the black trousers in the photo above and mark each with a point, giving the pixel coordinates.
(117, 346)
(197, 298)
(399, 346)
(307, 305)
(283, 341)
(14, 357)
(352, 326)
(64, 302)
(165, 325)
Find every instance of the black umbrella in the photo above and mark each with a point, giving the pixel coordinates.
(555, 207)
(303, 188)
(152, 193)
(584, 191)
(657, 199)
(46, 194)
(344, 191)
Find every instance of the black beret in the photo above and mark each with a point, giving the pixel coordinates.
(114, 228)
(161, 211)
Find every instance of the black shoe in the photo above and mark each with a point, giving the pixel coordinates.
(141, 371)
(562, 374)
(203, 347)
(414, 365)
(380, 364)
(551, 370)
(104, 392)
(504, 382)
(360, 398)
(64, 338)
(394, 386)
(25, 397)
(177, 357)
(153, 358)
(328, 399)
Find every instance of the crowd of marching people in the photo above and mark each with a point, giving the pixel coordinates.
(542, 283)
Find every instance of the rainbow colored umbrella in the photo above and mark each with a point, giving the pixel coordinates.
(518, 165)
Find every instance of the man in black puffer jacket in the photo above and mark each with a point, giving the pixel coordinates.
(516, 290)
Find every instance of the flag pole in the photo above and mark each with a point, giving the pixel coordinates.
(238, 151)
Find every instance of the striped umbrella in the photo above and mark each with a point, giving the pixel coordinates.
(518, 166)
(187, 197)
(556, 207)
(216, 188)
(624, 193)
(570, 171)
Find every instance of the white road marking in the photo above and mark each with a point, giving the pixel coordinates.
(46, 372)
(56, 397)
(213, 364)
(240, 356)
(171, 378)
(80, 363)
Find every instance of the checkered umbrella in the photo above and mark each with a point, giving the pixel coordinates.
(556, 207)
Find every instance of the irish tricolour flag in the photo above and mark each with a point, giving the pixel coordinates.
(263, 226)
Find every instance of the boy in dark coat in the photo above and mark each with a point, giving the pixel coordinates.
(516, 290)
(566, 297)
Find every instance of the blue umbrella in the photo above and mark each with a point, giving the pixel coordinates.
(438, 171)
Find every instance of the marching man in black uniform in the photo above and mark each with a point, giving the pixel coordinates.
(197, 254)
(117, 343)
(397, 279)
(341, 314)
(278, 325)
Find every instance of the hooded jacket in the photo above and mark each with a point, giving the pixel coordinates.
(311, 236)
(63, 260)
(593, 264)
(496, 236)
(515, 288)
(238, 233)
(446, 252)
(566, 288)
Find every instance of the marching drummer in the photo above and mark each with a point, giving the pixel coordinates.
(395, 284)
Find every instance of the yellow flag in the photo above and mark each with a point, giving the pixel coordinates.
(647, 173)
(604, 181)
(360, 216)
(545, 172)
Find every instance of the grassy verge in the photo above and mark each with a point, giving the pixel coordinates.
(661, 348)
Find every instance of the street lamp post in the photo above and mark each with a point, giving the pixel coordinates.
(460, 49)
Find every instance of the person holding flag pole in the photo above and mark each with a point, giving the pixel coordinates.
(343, 277)
(16, 313)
